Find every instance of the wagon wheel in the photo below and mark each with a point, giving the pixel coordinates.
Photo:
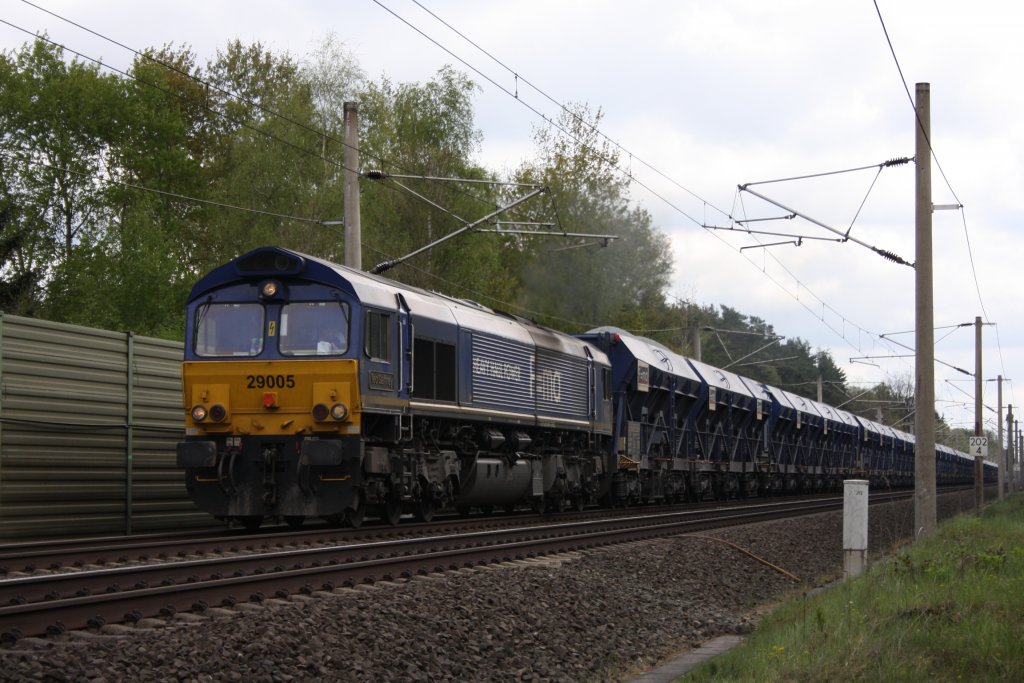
(425, 509)
(294, 521)
(538, 505)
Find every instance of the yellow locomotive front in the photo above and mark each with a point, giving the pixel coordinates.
(271, 396)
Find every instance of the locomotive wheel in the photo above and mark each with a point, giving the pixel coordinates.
(250, 522)
(392, 512)
(355, 516)
(425, 510)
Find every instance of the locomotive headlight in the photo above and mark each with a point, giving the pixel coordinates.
(198, 413)
(269, 289)
(321, 412)
(218, 413)
(339, 411)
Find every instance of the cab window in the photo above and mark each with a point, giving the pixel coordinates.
(314, 328)
(229, 330)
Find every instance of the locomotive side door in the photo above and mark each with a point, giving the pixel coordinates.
(405, 348)
(380, 354)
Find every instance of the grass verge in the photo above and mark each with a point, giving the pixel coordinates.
(950, 608)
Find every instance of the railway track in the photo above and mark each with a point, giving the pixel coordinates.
(76, 554)
(166, 580)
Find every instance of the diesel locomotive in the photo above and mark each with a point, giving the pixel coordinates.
(312, 390)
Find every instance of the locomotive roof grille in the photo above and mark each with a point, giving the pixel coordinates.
(270, 262)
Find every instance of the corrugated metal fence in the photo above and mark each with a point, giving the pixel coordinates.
(88, 423)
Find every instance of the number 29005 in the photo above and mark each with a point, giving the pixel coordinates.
(270, 381)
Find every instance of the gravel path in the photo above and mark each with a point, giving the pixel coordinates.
(597, 616)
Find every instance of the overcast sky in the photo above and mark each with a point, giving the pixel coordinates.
(706, 95)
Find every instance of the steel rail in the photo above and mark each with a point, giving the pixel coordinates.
(57, 602)
(63, 554)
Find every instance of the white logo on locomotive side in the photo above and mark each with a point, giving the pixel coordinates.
(549, 385)
(486, 367)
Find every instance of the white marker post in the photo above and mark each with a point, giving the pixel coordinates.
(855, 527)
(979, 449)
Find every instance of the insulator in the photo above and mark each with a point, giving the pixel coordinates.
(375, 174)
(892, 257)
(898, 162)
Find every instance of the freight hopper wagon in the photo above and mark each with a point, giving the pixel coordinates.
(682, 429)
(314, 390)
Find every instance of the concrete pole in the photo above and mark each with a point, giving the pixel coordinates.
(855, 527)
(821, 388)
(925, 514)
(1014, 454)
(979, 421)
(1013, 437)
(353, 229)
(696, 341)
(1000, 453)
(1010, 450)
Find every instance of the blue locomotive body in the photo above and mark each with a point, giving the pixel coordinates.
(311, 389)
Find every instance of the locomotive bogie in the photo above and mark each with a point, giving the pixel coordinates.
(256, 477)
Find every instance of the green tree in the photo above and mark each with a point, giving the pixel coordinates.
(16, 286)
(136, 274)
(618, 284)
(58, 119)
